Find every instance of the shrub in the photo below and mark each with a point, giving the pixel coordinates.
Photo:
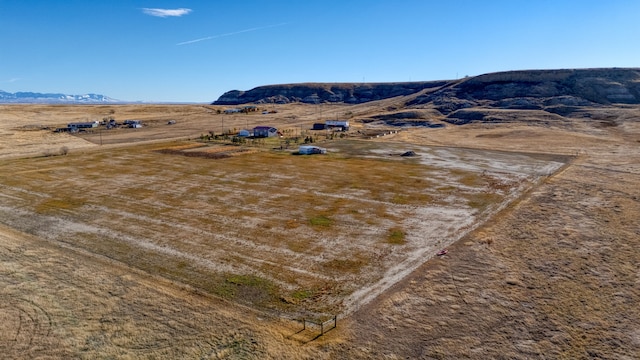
(321, 220)
(396, 236)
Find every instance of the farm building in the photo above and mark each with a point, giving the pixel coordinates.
(264, 131)
(133, 123)
(244, 133)
(337, 124)
(82, 125)
(232, 111)
(311, 149)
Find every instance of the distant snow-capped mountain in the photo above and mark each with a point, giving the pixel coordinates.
(49, 98)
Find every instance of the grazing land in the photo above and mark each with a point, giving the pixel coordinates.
(274, 230)
(132, 246)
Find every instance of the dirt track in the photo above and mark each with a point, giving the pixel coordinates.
(555, 275)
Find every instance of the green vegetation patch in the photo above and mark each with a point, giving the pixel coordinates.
(352, 265)
(248, 288)
(302, 294)
(396, 236)
(322, 221)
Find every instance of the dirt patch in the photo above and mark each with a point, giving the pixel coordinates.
(207, 152)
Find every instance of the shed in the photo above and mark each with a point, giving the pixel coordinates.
(82, 125)
(133, 123)
(311, 149)
(244, 133)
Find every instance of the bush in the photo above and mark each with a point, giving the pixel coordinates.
(396, 236)
(321, 220)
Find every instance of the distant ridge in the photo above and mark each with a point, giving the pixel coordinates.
(314, 93)
(524, 89)
(53, 98)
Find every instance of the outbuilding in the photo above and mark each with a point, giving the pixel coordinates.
(311, 149)
(133, 123)
(82, 125)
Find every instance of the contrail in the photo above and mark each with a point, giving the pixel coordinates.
(229, 34)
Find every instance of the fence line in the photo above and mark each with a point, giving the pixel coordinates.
(325, 326)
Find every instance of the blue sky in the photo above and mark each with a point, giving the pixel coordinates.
(193, 51)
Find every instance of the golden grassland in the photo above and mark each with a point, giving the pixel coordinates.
(126, 251)
(260, 228)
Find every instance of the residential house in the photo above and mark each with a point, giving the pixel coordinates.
(264, 131)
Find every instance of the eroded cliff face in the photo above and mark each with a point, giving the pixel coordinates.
(602, 86)
(314, 93)
(557, 92)
(535, 89)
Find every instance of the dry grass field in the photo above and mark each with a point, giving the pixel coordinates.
(129, 247)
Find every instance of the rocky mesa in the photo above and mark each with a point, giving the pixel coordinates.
(315, 93)
(559, 92)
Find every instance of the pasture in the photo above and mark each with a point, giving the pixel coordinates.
(311, 236)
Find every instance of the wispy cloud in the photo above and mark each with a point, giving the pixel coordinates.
(12, 80)
(228, 34)
(166, 12)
